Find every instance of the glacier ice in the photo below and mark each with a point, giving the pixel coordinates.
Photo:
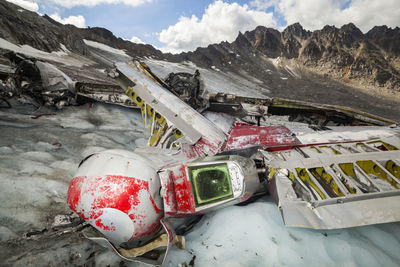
(37, 161)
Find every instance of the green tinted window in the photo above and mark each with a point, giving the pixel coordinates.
(210, 183)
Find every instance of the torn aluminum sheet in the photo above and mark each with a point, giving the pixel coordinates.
(190, 88)
(106, 93)
(54, 79)
(41, 81)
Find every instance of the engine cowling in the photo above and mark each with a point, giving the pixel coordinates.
(117, 192)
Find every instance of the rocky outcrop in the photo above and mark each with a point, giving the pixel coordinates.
(386, 38)
(21, 26)
(344, 54)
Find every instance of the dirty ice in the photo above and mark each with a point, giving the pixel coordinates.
(38, 158)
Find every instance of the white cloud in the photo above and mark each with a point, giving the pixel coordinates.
(78, 21)
(315, 14)
(136, 40)
(220, 22)
(263, 4)
(91, 3)
(29, 5)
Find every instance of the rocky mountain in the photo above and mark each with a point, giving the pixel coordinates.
(333, 65)
(344, 54)
(21, 26)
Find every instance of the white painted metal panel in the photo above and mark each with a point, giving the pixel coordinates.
(181, 115)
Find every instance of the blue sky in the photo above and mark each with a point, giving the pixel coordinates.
(143, 21)
(183, 25)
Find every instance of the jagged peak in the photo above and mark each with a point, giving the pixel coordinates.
(379, 28)
(351, 28)
(294, 27)
(260, 28)
(383, 29)
(240, 37)
(329, 28)
(297, 30)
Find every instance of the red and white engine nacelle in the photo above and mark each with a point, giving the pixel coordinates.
(117, 192)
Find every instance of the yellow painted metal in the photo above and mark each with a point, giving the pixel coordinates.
(370, 167)
(134, 97)
(271, 173)
(318, 151)
(157, 134)
(393, 168)
(158, 124)
(330, 181)
(344, 182)
(177, 133)
(348, 169)
(292, 177)
(303, 175)
(386, 145)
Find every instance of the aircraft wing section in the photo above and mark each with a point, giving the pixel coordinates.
(170, 119)
(337, 185)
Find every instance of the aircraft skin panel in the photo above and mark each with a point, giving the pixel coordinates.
(337, 185)
(179, 114)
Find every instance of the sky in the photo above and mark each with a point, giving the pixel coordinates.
(183, 25)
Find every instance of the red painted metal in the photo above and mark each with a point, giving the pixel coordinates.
(208, 148)
(183, 193)
(169, 197)
(271, 137)
(116, 192)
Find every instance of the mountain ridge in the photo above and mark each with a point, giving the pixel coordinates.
(342, 54)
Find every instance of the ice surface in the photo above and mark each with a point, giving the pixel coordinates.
(38, 158)
(254, 235)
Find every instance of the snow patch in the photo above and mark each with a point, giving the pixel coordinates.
(215, 68)
(61, 56)
(292, 72)
(106, 48)
(275, 62)
(214, 81)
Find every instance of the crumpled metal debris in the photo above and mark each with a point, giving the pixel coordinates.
(62, 224)
(190, 88)
(40, 81)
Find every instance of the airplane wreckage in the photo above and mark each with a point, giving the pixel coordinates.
(340, 169)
